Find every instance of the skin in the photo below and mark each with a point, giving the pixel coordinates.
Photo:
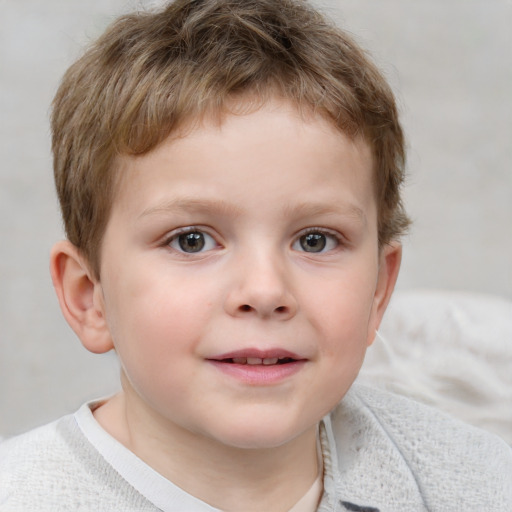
(252, 189)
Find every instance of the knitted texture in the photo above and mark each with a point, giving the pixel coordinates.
(55, 469)
(381, 453)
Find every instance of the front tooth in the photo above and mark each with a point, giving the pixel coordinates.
(270, 360)
(240, 360)
(254, 360)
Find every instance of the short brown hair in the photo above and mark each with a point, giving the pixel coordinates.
(151, 72)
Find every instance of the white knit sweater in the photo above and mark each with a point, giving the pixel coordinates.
(381, 453)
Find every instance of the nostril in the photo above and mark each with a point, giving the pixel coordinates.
(279, 311)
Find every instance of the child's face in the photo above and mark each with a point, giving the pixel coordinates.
(252, 242)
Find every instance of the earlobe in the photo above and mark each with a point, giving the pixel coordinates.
(389, 265)
(80, 297)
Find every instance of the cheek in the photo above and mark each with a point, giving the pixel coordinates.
(154, 318)
(345, 333)
(342, 318)
(343, 314)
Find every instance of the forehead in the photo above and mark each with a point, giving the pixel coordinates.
(275, 150)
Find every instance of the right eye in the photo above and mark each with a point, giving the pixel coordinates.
(192, 242)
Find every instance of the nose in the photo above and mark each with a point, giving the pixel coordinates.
(261, 287)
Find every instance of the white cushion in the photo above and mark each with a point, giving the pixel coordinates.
(452, 350)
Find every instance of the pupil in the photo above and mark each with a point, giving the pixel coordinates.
(191, 242)
(313, 242)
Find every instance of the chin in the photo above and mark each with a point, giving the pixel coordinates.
(256, 442)
(258, 435)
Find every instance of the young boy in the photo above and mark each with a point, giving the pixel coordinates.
(229, 173)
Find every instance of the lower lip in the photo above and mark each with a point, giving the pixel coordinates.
(259, 374)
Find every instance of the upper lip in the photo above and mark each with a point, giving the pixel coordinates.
(274, 353)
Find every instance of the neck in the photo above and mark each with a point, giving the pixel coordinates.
(262, 479)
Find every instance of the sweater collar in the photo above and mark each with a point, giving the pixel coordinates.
(332, 501)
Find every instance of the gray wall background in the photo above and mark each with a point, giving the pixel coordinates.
(450, 63)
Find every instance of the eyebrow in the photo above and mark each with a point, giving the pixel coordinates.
(220, 207)
(337, 208)
(183, 204)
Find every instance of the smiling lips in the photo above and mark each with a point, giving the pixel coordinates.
(267, 361)
(257, 367)
(254, 356)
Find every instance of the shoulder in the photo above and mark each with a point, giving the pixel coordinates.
(450, 462)
(40, 444)
(417, 425)
(54, 467)
(36, 461)
(24, 457)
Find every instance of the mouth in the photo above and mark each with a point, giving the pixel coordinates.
(267, 361)
(256, 367)
(255, 357)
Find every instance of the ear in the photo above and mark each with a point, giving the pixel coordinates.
(80, 297)
(390, 257)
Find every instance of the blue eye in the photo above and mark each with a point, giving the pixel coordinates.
(316, 242)
(192, 242)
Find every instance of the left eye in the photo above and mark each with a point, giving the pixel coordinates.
(192, 242)
(315, 242)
